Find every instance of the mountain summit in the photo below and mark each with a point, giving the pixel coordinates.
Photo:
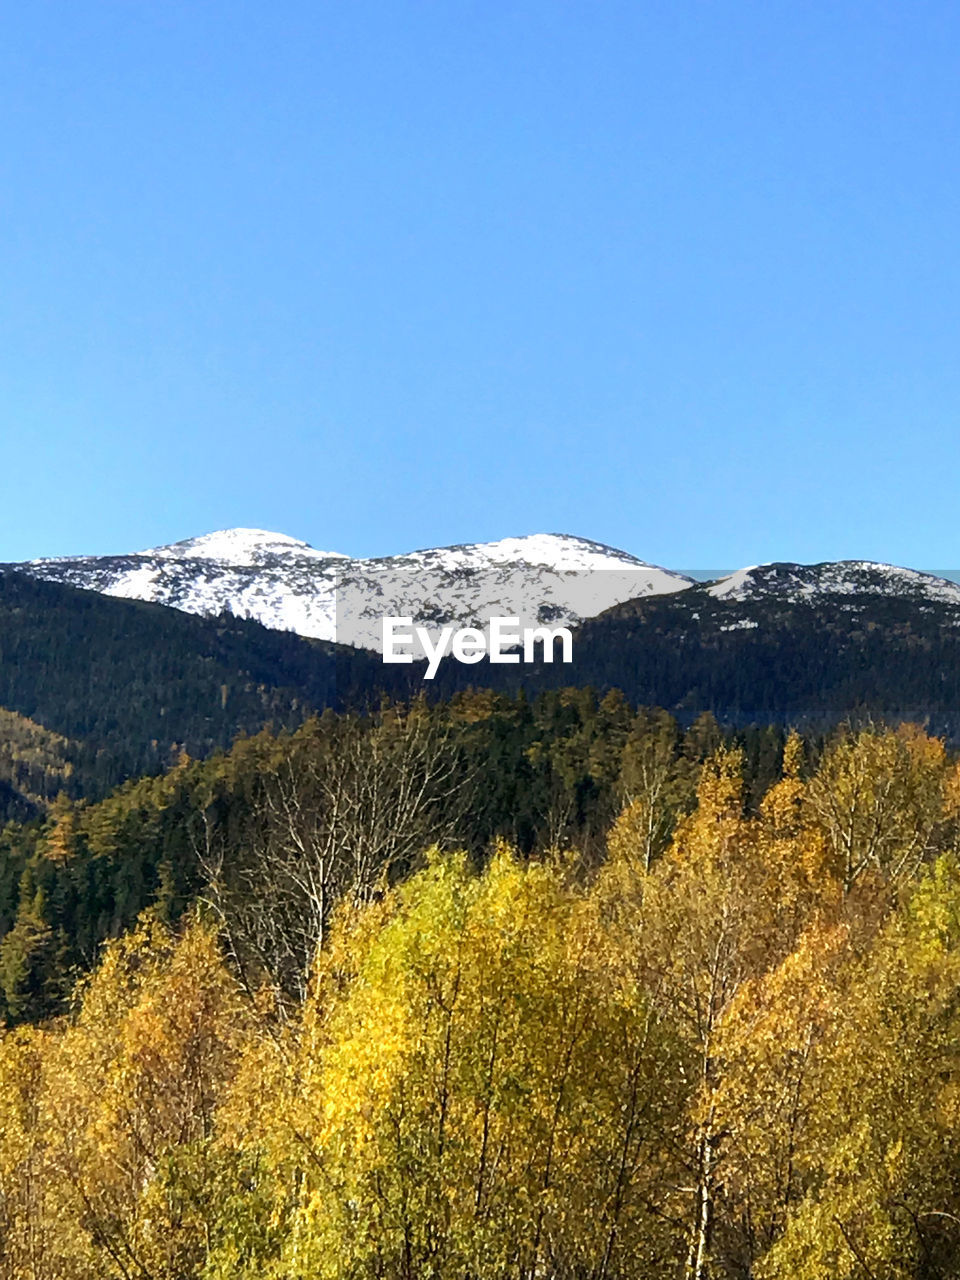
(288, 585)
(239, 547)
(555, 578)
(803, 583)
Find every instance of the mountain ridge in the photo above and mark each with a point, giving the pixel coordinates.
(287, 585)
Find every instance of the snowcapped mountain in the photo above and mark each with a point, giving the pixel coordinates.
(239, 547)
(288, 585)
(543, 578)
(807, 583)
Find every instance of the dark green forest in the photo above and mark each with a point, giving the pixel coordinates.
(117, 689)
(126, 686)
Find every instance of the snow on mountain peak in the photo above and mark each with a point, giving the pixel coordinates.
(540, 578)
(797, 583)
(735, 586)
(561, 552)
(285, 583)
(239, 547)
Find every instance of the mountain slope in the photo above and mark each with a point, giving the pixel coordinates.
(805, 645)
(838, 579)
(288, 585)
(35, 766)
(131, 684)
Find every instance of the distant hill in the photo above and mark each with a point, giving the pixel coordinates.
(808, 655)
(99, 689)
(127, 686)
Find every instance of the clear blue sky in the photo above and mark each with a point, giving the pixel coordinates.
(682, 277)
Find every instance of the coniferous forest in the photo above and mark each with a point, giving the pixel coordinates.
(96, 690)
(492, 988)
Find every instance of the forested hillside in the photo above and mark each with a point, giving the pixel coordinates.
(122, 688)
(384, 786)
(36, 766)
(495, 990)
(805, 663)
(131, 685)
(813, 663)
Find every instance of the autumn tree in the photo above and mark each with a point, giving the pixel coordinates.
(340, 811)
(123, 1116)
(878, 798)
(879, 1165)
(483, 1096)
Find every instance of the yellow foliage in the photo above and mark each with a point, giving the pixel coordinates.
(738, 1057)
